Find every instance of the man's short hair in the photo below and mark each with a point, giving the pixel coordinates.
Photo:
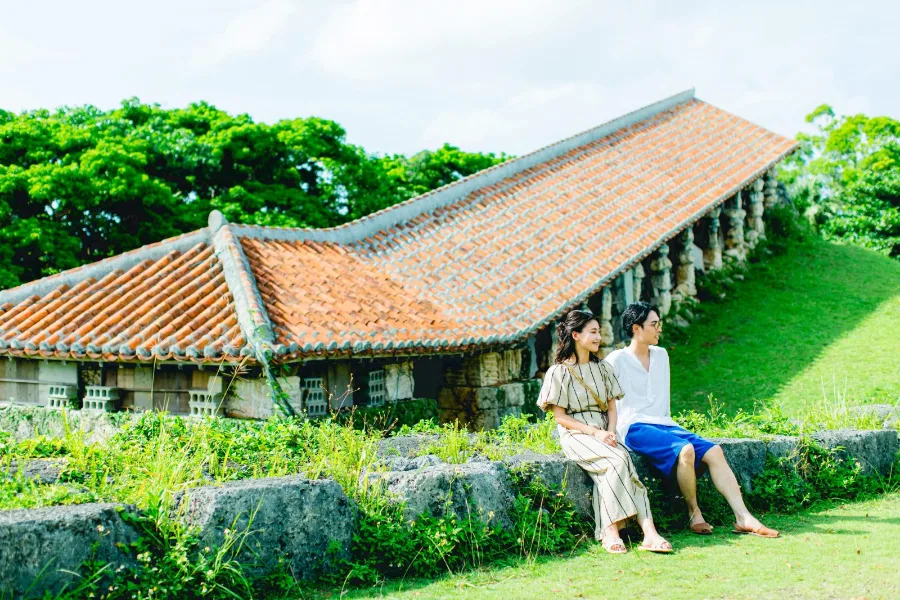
(636, 313)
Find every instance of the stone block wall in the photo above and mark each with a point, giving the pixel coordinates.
(481, 390)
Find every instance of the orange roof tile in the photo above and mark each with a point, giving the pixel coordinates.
(486, 260)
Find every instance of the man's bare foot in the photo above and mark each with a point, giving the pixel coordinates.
(747, 521)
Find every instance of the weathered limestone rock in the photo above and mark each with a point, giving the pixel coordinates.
(558, 473)
(661, 279)
(712, 254)
(45, 470)
(404, 446)
(607, 334)
(756, 228)
(734, 235)
(887, 414)
(685, 275)
(873, 450)
(294, 518)
(747, 458)
(480, 490)
(41, 544)
(402, 463)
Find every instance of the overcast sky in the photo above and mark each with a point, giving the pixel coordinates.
(491, 75)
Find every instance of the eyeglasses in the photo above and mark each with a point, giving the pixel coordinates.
(657, 325)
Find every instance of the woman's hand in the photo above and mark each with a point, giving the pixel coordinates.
(607, 437)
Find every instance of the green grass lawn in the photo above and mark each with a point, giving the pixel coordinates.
(848, 551)
(819, 321)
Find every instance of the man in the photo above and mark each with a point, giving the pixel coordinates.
(645, 423)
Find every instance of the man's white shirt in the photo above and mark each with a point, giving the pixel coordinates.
(646, 397)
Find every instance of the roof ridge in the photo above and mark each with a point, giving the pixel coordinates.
(124, 261)
(404, 211)
(253, 318)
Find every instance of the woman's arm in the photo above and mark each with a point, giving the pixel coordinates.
(568, 422)
(559, 413)
(611, 415)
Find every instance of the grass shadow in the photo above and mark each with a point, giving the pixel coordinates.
(756, 346)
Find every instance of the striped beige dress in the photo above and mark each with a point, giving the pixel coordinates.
(618, 491)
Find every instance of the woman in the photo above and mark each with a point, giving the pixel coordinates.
(581, 390)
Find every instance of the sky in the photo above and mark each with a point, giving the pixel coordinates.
(484, 75)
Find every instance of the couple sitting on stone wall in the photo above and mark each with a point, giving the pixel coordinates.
(601, 405)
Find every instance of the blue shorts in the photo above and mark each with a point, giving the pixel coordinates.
(661, 444)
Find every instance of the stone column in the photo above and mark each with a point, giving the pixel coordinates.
(756, 229)
(607, 334)
(734, 235)
(398, 381)
(770, 190)
(712, 254)
(637, 281)
(685, 277)
(661, 279)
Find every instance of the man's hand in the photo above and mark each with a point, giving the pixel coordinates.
(607, 437)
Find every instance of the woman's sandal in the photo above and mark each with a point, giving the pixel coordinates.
(761, 531)
(613, 544)
(659, 548)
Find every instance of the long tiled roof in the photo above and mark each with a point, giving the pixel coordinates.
(484, 261)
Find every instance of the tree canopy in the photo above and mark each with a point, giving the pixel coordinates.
(846, 176)
(80, 184)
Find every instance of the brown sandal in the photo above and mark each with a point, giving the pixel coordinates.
(702, 528)
(761, 531)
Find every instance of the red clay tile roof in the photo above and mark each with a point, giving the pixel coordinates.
(484, 261)
(167, 301)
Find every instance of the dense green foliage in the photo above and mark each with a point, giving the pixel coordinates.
(79, 184)
(846, 178)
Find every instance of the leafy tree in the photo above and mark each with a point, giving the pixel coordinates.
(79, 184)
(846, 177)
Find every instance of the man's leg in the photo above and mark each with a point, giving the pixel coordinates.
(725, 481)
(687, 482)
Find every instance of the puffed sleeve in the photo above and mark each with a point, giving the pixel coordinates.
(613, 391)
(554, 390)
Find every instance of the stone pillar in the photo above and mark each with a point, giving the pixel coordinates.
(756, 229)
(398, 381)
(734, 235)
(607, 334)
(340, 385)
(770, 190)
(712, 254)
(661, 279)
(532, 356)
(637, 282)
(685, 276)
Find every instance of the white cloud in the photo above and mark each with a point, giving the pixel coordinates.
(248, 33)
(414, 40)
(538, 116)
(17, 52)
